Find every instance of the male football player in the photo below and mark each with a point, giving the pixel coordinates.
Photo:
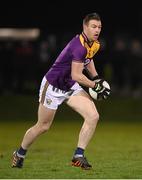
(63, 83)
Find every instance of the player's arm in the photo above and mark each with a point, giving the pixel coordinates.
(91, 70)
(78, 76)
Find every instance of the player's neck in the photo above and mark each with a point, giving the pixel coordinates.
(86, 39)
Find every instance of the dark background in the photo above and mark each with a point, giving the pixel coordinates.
(23, 63)
(63, 15)
(119, 61)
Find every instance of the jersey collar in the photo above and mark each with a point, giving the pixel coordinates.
(86, 39)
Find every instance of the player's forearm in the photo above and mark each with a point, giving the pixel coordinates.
(83, 80)
(91, 70)
(90, 75)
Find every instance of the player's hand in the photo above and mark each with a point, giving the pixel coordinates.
(102, 91)
(99, 86)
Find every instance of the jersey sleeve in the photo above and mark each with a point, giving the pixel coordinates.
(79, 53)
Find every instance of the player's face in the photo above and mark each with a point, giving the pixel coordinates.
(93, 29)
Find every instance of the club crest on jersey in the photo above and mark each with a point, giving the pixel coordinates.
(87, 61)
(48, 101)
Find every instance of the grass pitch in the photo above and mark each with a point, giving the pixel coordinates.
(115, 151)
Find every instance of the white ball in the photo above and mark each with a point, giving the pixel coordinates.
(94, 94)
(106, 85)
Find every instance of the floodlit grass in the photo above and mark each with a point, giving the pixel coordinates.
(115, 151)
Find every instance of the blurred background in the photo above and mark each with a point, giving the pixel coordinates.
(32, 35)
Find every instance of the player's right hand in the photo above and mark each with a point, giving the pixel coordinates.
(99, 86)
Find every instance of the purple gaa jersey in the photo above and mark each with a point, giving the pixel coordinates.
(59, 75)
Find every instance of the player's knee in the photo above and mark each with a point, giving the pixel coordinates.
(43, 127)
(93, 117)
(97, 116)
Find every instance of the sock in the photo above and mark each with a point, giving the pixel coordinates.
(21, 152)
(79, 152)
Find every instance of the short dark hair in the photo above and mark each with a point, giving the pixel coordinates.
(91, 16)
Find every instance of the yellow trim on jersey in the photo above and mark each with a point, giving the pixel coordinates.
(91, 51)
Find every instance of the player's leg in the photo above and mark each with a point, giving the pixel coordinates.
(45, 118)
(83, 104)
(46, 111)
